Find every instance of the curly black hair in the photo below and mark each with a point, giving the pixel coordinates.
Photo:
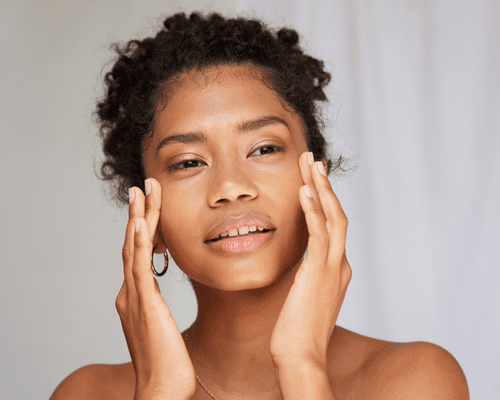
(144, 68)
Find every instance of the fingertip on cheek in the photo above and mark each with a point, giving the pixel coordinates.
(310, 158)
(306, 191)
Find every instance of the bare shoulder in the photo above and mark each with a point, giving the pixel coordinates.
(100, 381)
(417, 370)
(389, 370)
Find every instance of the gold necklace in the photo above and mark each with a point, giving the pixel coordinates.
(205, 388)
(198, 378)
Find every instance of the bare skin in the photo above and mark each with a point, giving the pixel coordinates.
(266, 324)
(360, 368)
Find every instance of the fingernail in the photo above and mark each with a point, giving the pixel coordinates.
(131, 195)
(137, 225)
(310, 158)
(307, 191)
(321, 168)
(147, 184)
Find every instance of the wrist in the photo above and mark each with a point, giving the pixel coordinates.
(301, 378)
(303, 366)
(300, 361)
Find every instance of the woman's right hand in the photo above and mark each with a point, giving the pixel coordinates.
(161, 361)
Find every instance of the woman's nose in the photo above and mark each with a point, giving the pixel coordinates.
(231, 183)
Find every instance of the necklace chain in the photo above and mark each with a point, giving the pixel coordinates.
(205, 388)
(198, 378)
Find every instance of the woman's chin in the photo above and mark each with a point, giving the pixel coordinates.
(243, 279)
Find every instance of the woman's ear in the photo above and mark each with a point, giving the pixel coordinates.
(159, 243)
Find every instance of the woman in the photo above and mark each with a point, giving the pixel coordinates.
(213, 125)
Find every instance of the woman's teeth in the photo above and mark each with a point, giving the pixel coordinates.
(244, 230)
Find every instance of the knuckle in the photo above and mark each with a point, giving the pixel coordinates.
(120, 303)
(148, 205)
(127, 253)
(347, 273)
(140, 243)
(321, 237)
(140, 238)
(343, 221)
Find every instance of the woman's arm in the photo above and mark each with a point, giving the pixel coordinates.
(161, 361)
(303, 379)
(301, 336)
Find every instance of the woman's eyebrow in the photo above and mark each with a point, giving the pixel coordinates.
(182, 138)
(246, 126)
(259, 123)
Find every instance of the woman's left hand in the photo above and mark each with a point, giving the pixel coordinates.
(309, 314)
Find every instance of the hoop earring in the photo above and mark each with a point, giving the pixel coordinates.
(153, 265)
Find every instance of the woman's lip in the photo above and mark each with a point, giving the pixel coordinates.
(239, 244)
(236, 223)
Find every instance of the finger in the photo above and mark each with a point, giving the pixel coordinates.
(128, 249)
(306, 160)
(142, 245)
(317, 246)
(141, 268)
(128, 255)
(136, 203)
(153, 205)
(305, 164)
(336, 220)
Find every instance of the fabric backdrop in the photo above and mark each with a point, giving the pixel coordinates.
(415, 104)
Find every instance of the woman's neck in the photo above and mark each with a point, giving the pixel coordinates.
(229, 341)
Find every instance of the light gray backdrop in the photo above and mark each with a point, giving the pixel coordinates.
(415, 94)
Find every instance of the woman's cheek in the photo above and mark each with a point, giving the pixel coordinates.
(168, 220)
(179, 223)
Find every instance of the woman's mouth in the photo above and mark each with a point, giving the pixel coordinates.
(240, 232)
(236, 242)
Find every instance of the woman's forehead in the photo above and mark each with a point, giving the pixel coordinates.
(220, 91)
(202, 78)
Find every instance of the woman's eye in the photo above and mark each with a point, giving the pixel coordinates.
(185, 165)
(266, 150)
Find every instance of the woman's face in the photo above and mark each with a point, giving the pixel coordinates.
(225, 151)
